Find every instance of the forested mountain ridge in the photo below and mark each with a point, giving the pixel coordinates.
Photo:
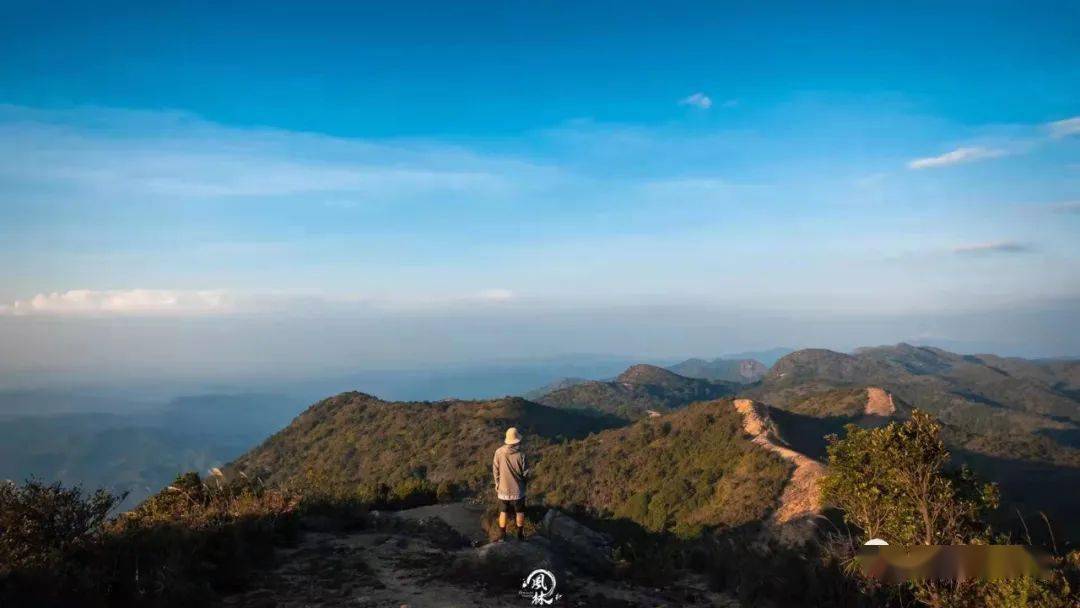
(730, 370)
(353, 439)
(940, 380)
(1015, 421)
(638, 390)
(693, 468)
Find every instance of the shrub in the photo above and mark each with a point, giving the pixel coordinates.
(180, 547)
(48, 539)
(894, 482)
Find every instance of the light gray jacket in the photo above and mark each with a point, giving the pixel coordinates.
(510, 472)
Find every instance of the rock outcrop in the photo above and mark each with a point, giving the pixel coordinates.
(583, 547)
(510, 560)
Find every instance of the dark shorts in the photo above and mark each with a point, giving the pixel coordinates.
(512, 506)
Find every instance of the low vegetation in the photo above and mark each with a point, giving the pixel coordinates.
(61, 547)
(354, 446)
(637, 391)
(680, 473)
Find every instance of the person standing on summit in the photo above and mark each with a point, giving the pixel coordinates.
(510, 472)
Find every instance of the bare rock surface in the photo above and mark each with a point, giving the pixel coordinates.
(585, 548)
(463, 517)
(410, 561)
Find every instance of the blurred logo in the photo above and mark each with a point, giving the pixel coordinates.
(893, 563)
(539, 588)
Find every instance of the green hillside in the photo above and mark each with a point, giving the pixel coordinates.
(684, 471)
(1014, 421)
(637, 390)
(354, 440)
(728, 370)
(1013, 407)
(690, 469)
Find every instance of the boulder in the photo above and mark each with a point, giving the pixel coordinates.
(587, 549)
(507, 563)
(439, 532)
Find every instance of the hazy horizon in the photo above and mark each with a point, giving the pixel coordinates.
(271, 351)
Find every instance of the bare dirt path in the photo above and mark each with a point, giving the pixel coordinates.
(879, 402)
(800, 502)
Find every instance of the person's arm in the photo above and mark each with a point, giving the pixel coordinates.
(495, 469)
(524, 467)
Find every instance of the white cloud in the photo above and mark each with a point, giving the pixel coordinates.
(993, 247)
(697, 100)
(121, 302)
(179, 303)
(495, 295)
(956, 157)
(1064, 128)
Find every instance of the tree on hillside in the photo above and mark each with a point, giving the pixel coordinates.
(894, 482)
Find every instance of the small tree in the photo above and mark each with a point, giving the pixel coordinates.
(895, 482)
(48, 536)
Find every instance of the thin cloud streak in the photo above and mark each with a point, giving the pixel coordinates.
(1064, 128)
(199, 160)
(956, 157)
(217, 302)
(121, 302)
(993, 247)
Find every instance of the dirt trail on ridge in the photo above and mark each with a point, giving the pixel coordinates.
(800, 502)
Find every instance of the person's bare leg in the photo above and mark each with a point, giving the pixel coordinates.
(519, 519)
(502, 525)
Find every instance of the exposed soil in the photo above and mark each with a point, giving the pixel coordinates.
(879, 402)
(800, 503)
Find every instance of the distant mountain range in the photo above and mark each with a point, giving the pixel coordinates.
(767, 357)
(637, 392)
(728, 370)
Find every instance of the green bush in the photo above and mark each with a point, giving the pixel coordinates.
(181, 547)
(894, 483)
(49, 540)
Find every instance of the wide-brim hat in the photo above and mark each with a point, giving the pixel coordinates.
(513, 437)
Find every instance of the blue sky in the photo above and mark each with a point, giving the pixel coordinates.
(533, 160)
